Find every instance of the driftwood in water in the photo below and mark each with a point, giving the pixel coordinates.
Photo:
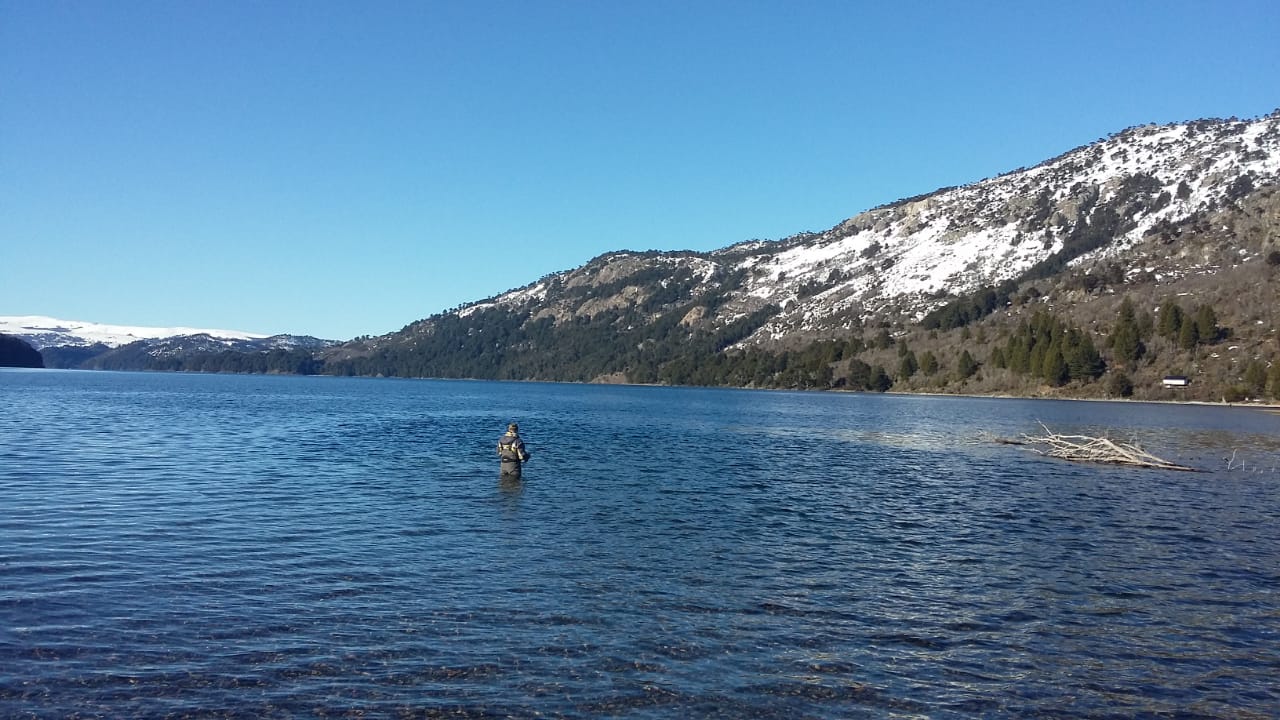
(1083, 448)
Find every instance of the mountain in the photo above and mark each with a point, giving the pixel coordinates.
(73, 344)
(202, 352)
(14, 352)
(1173, 215)
(42, 332)
(1149, 253)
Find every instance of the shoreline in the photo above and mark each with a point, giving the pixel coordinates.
(1265, 407)
(1269, 407)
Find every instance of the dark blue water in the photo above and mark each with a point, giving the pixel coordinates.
(198, 545)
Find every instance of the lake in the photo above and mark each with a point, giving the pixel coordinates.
(248, 546)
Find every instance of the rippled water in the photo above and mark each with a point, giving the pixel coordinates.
(197, 545)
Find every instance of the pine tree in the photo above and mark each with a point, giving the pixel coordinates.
(1170, 320)
(966, 366)
(1083, 360)
(928, 363)
(1188, 334)
(880, 380)
(907, 366)
(1054, 369)
(1126, 314)
(1127, 346)
(1206, 324)
(1035, 358)
(1016, 355)
(1255, 378)
(1146, 325)
(1126, 339)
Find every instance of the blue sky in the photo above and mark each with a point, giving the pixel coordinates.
(345, 168)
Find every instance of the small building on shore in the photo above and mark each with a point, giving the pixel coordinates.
(1175, 381)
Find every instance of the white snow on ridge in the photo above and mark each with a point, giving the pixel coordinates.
(980, 234)
(44, 331)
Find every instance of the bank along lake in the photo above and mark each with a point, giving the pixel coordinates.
(248, 546)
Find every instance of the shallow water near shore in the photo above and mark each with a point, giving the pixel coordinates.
(248, 546)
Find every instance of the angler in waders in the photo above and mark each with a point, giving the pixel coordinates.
(511, 452)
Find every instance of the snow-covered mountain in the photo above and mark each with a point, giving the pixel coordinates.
(1189, 210)
(1090, 204)
(41, 332)
(72, 344)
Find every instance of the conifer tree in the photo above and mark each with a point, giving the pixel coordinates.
(1083, 360)
(1035, 358)
(1206, 321)
(966, 366)
(1126, 339)
(1016, 355)
(1255, 378)
(1146, 325)
(928, 363)
(1127, 346)
(1170, 320)
(880, 380)
(908, 365)
(1054, 369)
(1126, 314)
(1188, 334)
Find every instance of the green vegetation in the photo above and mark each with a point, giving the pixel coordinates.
(135, 357)
(1023, 349)
(1047, 349)
(963, 311)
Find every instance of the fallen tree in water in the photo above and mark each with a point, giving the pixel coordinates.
(1082, 448)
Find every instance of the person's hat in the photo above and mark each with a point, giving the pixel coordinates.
(513, 426)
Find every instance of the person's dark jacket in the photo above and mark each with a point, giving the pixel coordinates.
(511, 452)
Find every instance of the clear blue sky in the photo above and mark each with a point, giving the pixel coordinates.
(345, 168)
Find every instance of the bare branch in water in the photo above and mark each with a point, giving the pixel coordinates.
(1082, 448)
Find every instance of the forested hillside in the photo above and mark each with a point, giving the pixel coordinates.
(1154, 252)
(14, 352)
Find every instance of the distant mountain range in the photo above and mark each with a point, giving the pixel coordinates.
(73, 343)
(1181, 218)
(42, 332)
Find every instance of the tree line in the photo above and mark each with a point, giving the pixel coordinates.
(15, 352)
(501, 343)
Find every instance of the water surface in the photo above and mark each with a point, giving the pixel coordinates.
(246, 546)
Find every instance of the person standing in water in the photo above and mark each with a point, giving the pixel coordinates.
(511, 452)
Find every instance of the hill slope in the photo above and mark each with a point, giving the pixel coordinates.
(15, 352)
(1186, 212)
(78, 344)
